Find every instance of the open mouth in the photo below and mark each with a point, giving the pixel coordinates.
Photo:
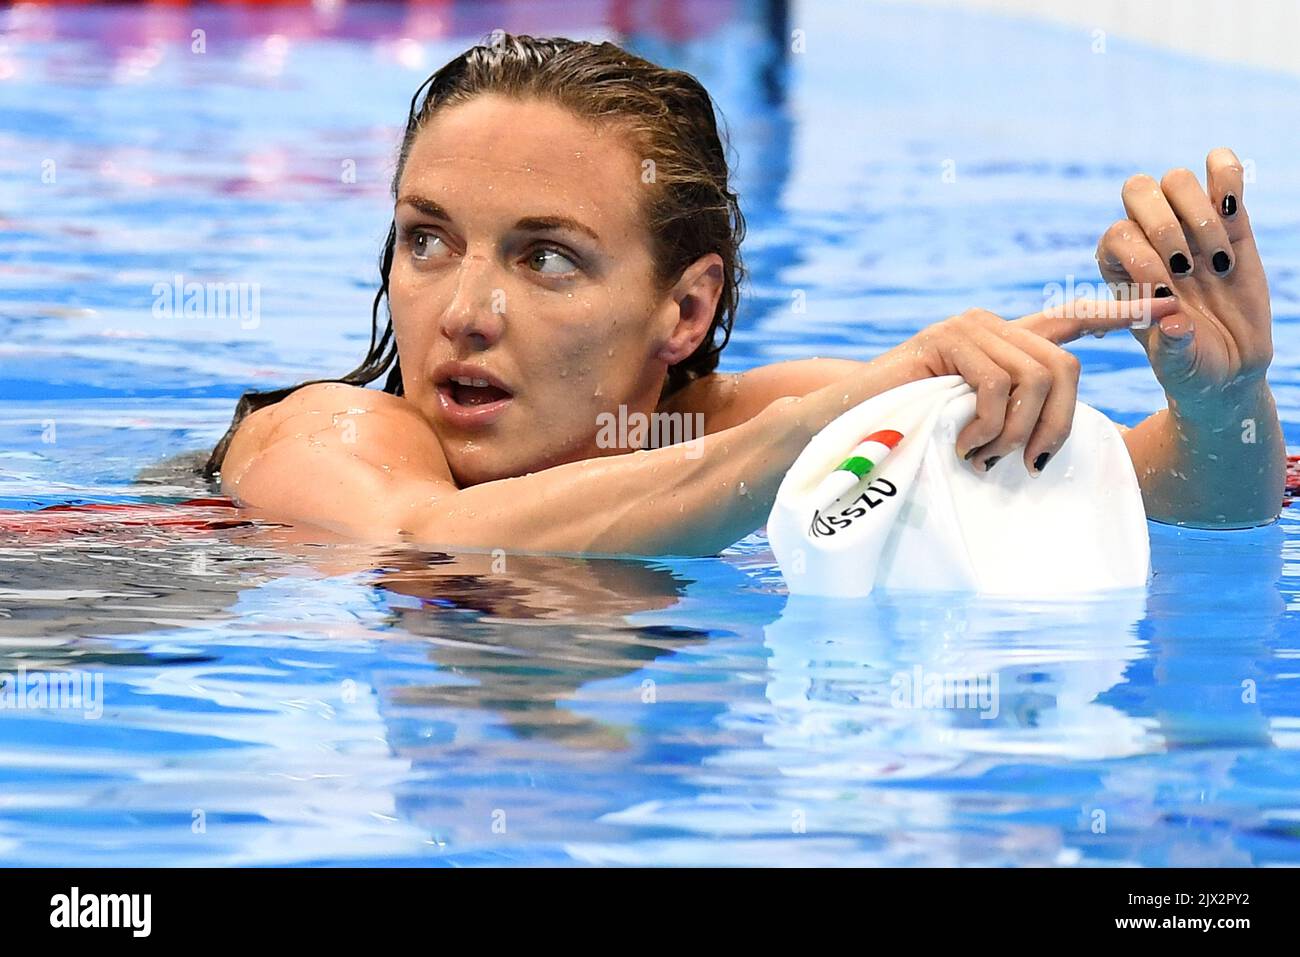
(471, 401)
(470, 392)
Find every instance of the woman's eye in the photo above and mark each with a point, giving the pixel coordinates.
(550, 261)
(427, 245)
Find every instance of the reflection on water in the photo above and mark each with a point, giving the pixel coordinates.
(276, 695)
(336, 702)
(522, 637)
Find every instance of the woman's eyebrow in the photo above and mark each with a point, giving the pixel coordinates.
(425, 205)
(538, 224)
(528, 224)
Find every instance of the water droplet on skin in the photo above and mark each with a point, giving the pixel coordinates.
(741, 489)
(596, 394)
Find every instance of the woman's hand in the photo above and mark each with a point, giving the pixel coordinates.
(1026, 385)
(1213, 352)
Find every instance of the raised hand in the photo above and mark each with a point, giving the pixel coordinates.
(1178, 238)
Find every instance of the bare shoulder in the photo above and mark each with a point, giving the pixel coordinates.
(366, 423)
(711, 395)
(336, 397)
(728, 400)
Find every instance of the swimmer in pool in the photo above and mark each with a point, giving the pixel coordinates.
(565, 250)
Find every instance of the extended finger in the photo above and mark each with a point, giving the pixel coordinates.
(1201, 224)
(1146, 205)
(1225, 177)
(1062, 324)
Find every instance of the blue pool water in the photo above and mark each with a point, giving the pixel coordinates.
(270, 698)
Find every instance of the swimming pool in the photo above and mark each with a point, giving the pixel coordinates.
(270, 697)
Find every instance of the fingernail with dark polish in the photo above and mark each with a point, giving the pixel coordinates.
(1222, 262)
(1041, 461)
(1180, 264)
(972, 452)
(1229, 206)
(991, 461)
(1162, 292)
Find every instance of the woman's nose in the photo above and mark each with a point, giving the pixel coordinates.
(477, 309)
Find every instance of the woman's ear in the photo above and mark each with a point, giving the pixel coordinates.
(691, 305)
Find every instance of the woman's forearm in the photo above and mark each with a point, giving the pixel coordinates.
(1234, 461)
(1212, 469)
(1219, 469)
(694, 498)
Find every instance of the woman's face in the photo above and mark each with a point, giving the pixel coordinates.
(523, 262)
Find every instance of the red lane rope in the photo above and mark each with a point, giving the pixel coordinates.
(59, 520)
(1292, 480)
(136, 506)
(72, 519)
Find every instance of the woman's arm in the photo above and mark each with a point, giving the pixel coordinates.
(1221, 468)
(686, 500)
(1216, 457)
(366, 464)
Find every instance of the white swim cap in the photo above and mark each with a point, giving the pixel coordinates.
(921, 518)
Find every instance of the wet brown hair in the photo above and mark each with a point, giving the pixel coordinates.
(690, 208)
